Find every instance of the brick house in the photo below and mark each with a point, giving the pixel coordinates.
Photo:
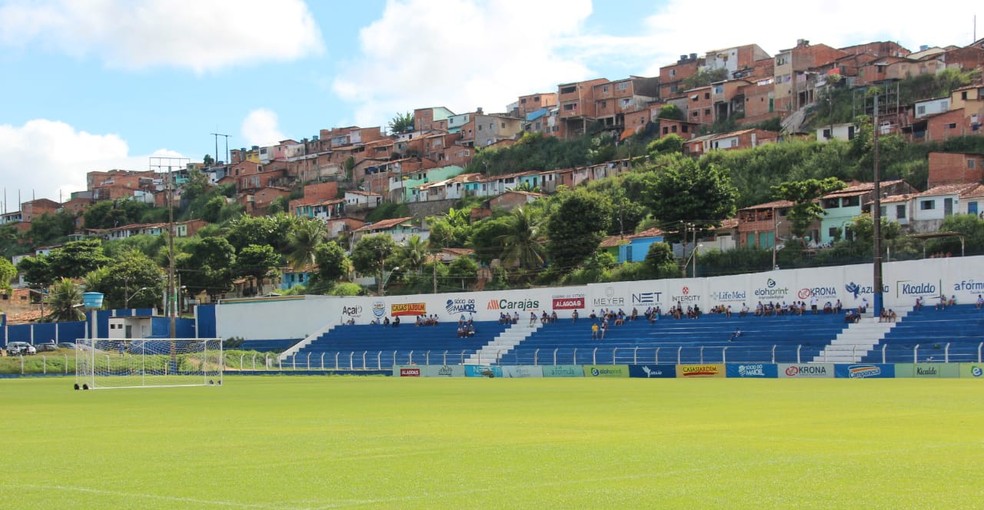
(613, 100)
(759, 102)
(533, 102)
(428, 119)
(686, 130)
(576, 106)
(257, 201)
(791, 68)
(955, 168)
(671, 76)
(738, 60)
(744, 139)
(38, 207)
(700, 105)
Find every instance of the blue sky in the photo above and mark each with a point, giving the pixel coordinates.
(100, 84)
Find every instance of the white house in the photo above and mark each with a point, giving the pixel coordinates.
(362, 200)
(932, 206)
(972, 201)
(932, 107)
(844, 132)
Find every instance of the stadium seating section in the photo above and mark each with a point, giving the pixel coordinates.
(932, 331)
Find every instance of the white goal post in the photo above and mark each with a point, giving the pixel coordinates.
(102, 363)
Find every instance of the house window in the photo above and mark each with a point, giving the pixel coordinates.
(920, 110)
(568, 90)
(522, 101)
(707, 111)
(900, 212)
(604, 104)
(826, 134)
(971, 163)
(673, 128)
(852, 201)
(684, 128)
(707, 95)
(963, 95)
(673, 74)
(695, 114)
(952, 125)
(927, 205)
(884, 211)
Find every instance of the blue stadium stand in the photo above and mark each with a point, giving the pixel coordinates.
(708, 339)
(354, 347)
(961, 327)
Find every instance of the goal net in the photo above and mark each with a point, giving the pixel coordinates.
(147, 362)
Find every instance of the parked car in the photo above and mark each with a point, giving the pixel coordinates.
(66, 345)
(46, 347)
(20, 348)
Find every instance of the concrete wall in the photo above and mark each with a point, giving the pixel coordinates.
(903, 281)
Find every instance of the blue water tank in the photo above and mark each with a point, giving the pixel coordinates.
(92, 300)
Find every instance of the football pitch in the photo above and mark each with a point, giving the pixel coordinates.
(379, 442)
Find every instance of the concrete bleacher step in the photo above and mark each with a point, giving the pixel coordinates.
(294, 349)
(502, 343)
(857, 340)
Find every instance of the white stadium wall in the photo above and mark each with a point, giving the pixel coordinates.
(903, 282)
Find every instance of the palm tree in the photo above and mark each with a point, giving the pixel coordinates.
(413, 253)
(523, 245)
(302, 241)
(64, 301)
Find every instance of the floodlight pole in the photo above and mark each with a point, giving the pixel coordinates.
(876, 220)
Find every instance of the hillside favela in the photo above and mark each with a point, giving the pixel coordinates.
(726, 184)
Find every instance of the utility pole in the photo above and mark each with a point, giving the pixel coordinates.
(159, 163)
(876, 219)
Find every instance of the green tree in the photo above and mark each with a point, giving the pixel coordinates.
(333, 264)
(413, 253)
(305, 237)
(7, 273)
(522, 246)
(212, 210)
(668, 144)
(671, 112)
(50, 227)
(206, 265)
(703, 78)
(685, 192)
(660, 263)
(257, 262)
(76, 259)
(208, 160)
(486, 237)
(401, 123)
(805, 195)
(132, 280)
(370, 255)
(64, 301)
(463, 272)
(576, 227)
(37, 271)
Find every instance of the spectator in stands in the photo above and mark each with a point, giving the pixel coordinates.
(604, 328)
(744, 310)
(594, 331)
(942, 303)
(553, 316)
(574, 316)
(593, 316)
(386, 321)
(827, 307)
(838, 307)
(727, 312)
(813, 304)
(980, 302)
(515, 319)
(952, 301)
(852, 316)
(635, 314)
(532, 319)
(759, 309)
(396, 321)
(735, 335)
(919, 303)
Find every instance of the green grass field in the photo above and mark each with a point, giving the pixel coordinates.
(349, 442)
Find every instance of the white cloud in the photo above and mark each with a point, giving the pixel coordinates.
(260, 128)
(461, 54)
(43, 157)
(134, 34)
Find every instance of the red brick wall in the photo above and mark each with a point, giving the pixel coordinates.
(952, 168)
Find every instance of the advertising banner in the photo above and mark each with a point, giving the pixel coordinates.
(753, 370)
(652, 371)
(700, 371)
(483, 371)
(562, 371)
(522, 371)
(924, 370)
(972, 370)
(408, 309)
(406, 371)
(806, 370)
(865, 371)
(443, 371)
(606, 370)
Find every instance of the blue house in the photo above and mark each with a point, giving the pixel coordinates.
(632, 248)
